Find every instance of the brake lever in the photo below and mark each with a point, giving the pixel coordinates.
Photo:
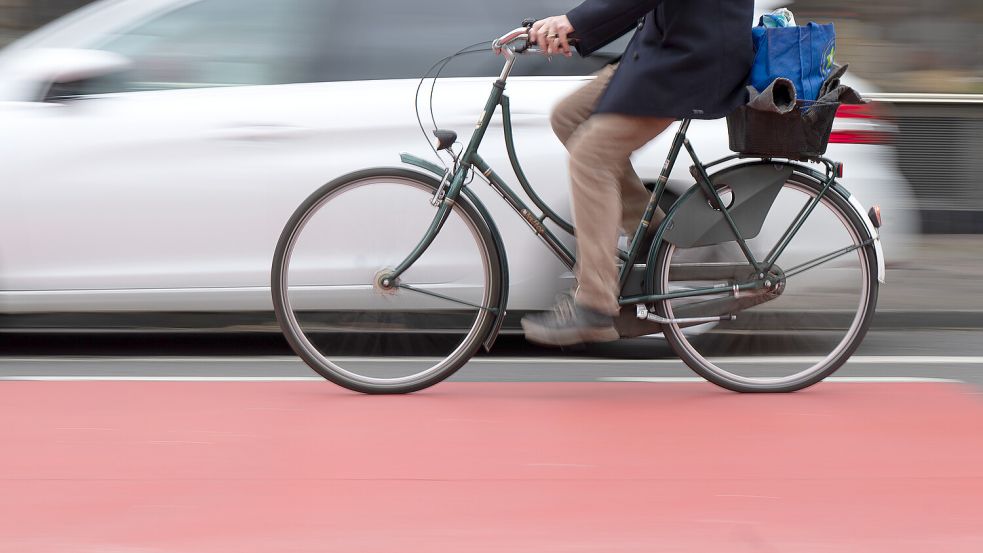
(527, 23)
(528, 47)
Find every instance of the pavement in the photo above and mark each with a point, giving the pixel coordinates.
(939, 286)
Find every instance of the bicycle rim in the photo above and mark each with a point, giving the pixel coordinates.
(353, 331)
(795, 335)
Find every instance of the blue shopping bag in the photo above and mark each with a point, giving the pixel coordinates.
(802, 54)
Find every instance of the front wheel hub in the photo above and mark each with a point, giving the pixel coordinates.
(385, 282)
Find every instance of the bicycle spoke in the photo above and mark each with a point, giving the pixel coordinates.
(443, 297)
(826, 258)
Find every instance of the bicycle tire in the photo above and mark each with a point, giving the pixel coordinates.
(343, 325)
(766, 339)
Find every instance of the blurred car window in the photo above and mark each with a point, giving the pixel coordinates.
(396, 39)
(212, 43)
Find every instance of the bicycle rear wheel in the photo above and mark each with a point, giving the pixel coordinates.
(798, 331)
(339, 317)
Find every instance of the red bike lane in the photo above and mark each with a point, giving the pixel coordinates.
(244, 467)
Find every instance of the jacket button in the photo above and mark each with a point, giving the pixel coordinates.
(634, 56)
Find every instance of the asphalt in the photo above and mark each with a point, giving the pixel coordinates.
(940, 285)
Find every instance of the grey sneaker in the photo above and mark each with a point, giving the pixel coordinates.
(568, 324)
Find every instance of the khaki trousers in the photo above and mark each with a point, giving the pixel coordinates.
(606, 191)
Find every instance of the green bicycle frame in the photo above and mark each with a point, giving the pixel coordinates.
(470, 163)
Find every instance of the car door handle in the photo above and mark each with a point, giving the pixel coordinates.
(259, 132)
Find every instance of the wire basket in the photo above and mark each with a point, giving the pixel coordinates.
(802, 133)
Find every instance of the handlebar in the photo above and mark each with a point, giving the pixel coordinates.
(520, 34)
(515, 35)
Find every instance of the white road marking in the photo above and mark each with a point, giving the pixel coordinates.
(855, 360)
(648, 379)
(70, 378)
(836, 379)
(573, 361)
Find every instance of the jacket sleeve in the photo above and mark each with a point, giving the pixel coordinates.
(598, 22)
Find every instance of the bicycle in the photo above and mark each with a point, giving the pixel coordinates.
(432, 276)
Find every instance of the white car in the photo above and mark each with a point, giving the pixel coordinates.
(152, 150)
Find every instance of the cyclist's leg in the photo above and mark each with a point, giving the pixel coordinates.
(571, 113)
(599, 151)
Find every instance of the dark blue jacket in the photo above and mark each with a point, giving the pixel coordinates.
(689, 58)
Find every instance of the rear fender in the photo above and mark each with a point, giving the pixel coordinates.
(860, 211)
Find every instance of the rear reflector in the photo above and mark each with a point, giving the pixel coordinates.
(875, 216)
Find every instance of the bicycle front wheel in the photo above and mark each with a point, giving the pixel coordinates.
(352, 330)
(799, 328)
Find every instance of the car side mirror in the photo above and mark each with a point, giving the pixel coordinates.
(49, 74)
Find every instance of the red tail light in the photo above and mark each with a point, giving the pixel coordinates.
(860, 124)
(858, 111)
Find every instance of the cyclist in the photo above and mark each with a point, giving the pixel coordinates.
(688, 59)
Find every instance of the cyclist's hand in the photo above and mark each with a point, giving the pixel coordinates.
(551, 35)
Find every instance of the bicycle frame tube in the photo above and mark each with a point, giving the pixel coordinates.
(459, 178)
(712, 193)
(653, 205)
(679, 141)
(470, 160)
(520, 207)
(800, 219)
(443, 211)
(517, 169)
(828, 183)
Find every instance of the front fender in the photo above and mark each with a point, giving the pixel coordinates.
(416, 161)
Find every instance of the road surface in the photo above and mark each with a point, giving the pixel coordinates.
(111, 447)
